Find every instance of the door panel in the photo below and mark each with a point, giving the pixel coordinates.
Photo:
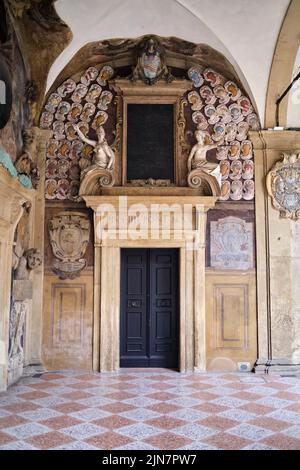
(133, 345)
(149, 308)
(164, 307)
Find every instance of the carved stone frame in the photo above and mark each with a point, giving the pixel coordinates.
(160, 93)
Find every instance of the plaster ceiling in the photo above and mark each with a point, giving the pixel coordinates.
(244, 31)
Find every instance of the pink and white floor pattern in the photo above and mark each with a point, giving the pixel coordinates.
(151, 409)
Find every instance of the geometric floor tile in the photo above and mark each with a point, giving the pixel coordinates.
(218, 422)
(17, 445)
(108, 440)
(282, 442)
(248, 431)
(82, 431)
(195, 431)
(151, 409)
(224, 441)
(168, 441)
(139, 429)
(49, 440)
(270, 423)
(26, 430)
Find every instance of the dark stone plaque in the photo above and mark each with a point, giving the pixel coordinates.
(150, 141)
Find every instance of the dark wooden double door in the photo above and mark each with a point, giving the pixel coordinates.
(149, 308)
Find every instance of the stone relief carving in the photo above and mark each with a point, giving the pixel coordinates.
(18, 314)
(231, 244)
(31, 259)
(25, 164)
(23, 262)
(150, 182)
(69, 236)
(151, 62)
(283, 184)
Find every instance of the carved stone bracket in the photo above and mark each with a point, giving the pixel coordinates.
(283, 185)
(69, 236)
(93, 179)
(200, 179)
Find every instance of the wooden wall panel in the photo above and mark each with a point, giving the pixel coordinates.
(68, 320)
(231, 319)
(231, 316)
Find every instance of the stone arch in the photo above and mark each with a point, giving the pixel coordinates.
(215, 86)
(282, 66)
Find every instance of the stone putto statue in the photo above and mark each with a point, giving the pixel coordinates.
(197, 157)
(104, 156)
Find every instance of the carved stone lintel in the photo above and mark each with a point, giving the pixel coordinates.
(283, 185)
(69, 236)
(201, 179)
(93, 179)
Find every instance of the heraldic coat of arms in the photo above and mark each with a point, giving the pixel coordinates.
(283, 184)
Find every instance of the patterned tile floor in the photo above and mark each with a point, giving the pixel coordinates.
(151, 409)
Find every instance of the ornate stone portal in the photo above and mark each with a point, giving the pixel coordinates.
(69, 236)
(139, 220)
(198, 99)
(283, 184)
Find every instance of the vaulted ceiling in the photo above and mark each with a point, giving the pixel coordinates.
(244, 31)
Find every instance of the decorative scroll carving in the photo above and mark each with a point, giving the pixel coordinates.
(151, 62)
(201, 179)
(93, 179)
(69, 236)
(283, 184)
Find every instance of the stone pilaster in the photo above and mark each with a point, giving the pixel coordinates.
(278, 262)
